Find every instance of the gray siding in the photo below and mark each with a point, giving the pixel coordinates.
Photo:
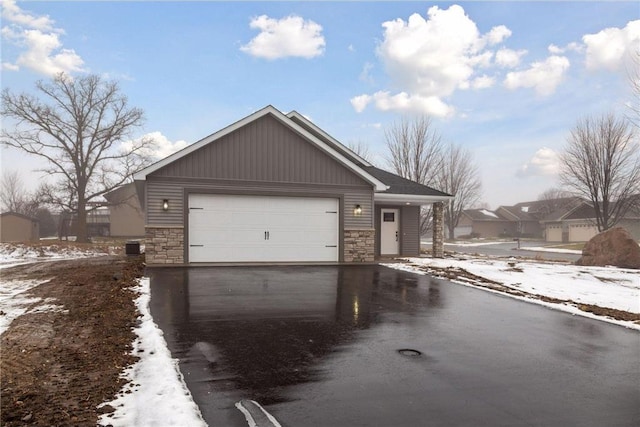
(410, 230)
(263, 150)
(175, 191)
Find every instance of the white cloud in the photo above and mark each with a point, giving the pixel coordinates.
(44, 52)
(545, 162)
(497, 35)
(483, 82)
(287, 37)
(543, 76)
(611, 47)
(350, 48)
(429, 58)
(160, 148)
(509, 58)
(403, 102)
(12, 13)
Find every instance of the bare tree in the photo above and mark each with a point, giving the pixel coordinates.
(458, 175)
(415, 149)
(361, 149)
(15, 197)
(553, 199)
(416, 153)
(601, 163)
(79, 129)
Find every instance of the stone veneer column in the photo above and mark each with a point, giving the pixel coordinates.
(164, 245)
(359, 245)
(438, 230)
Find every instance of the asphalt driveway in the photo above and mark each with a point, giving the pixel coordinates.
(327, 346)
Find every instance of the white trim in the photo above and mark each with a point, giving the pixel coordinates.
(413, 199)
(379, 185)
(327, 136)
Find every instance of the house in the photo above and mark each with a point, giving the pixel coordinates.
(126, 215)
(274, 187)
(576, 222)
(485, 223)
(15, 227)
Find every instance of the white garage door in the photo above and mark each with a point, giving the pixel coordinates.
(230, 228)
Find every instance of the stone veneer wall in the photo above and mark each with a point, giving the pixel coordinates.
(438, 230)
(164, 245)
(359, 245)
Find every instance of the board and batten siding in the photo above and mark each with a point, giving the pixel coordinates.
(263, 150)
(175, 190)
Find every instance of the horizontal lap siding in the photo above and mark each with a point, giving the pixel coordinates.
(174, 191)
(410, 225)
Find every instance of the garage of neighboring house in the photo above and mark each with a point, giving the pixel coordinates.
(274, 187)
(15, 227)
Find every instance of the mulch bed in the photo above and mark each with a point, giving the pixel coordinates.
(58, 366)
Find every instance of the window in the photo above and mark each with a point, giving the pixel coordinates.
(389, 217)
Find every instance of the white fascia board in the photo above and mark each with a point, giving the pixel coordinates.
(327, 136)
(414, 199)
(378, 185)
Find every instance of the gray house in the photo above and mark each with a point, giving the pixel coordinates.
(276, 188)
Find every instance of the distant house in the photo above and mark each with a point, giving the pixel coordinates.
(570, 219)
(126, 214)
(577, 223)
(15, 227)
(484, 223)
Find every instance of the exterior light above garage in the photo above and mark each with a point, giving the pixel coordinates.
(165, 204)
(357, 211)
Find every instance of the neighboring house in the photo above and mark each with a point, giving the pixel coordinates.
(570, 219)
(276, 188)
(15, 227)
(126, 215)
(486, 223)
(577, 223)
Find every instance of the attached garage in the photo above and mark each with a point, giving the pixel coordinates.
(238, 228)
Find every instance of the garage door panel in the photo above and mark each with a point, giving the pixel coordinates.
(231, 228)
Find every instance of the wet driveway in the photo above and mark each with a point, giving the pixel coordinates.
(321, 346)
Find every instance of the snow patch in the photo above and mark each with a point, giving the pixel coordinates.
(488, 213)
(607, 287)
(156, 394)
(14, 303)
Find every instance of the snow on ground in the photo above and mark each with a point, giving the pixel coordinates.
(12, 254)
(14, 303)
(608, 287)
(156, 394)
(550, 249)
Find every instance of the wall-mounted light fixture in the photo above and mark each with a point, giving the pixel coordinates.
(357, 211)
(165, 205)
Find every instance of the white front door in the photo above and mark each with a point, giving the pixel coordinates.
(389, 232)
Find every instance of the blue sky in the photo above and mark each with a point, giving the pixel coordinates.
(507, 80)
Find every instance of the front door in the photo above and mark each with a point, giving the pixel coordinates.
(389, 232)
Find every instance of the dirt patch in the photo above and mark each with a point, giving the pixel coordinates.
(58, 366)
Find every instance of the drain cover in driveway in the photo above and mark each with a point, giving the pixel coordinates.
(409, 352)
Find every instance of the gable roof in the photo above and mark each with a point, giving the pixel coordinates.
(484, 215)
(312, 127)
(19, 215)
(337, 155)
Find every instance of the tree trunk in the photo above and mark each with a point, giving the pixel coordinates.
(82, 236)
